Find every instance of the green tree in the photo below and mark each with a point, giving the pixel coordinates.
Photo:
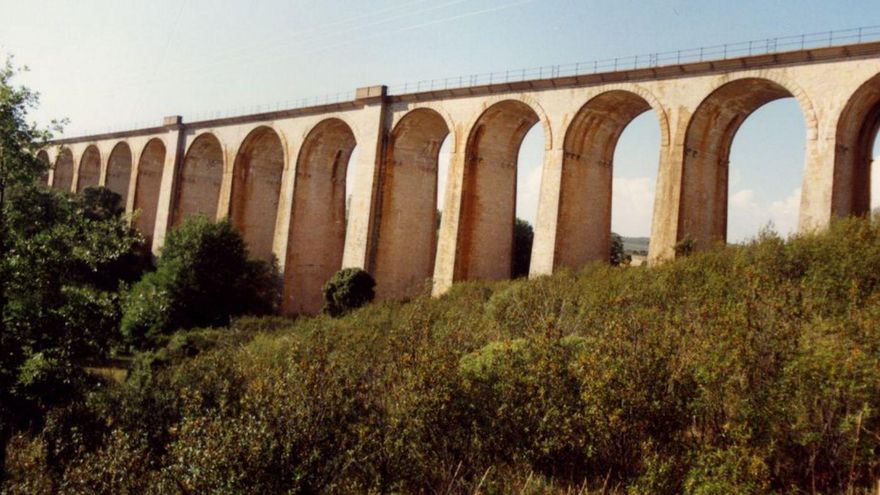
(62, 272)
(347, 290)
(618, 255)
(19, 143)
(523, 237)
(203, 278)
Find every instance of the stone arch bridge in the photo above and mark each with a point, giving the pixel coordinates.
(280, 176)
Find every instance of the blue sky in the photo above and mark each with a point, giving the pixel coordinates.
(109, 64)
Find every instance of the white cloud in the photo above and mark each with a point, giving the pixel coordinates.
(632, 206)
(528, 189)
(784, 213)
(747, 214)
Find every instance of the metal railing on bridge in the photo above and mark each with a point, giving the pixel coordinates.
(766, 46)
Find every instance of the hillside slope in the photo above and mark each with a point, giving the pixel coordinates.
(750, 369)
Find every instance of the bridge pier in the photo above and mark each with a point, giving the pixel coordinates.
(168, 186)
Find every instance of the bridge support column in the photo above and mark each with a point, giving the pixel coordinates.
(547, 221)
(667, 199)
(173, 158)
(359, 231)
(447, 241)
(817, 190)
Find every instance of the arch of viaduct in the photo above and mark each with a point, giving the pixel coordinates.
(280, 176)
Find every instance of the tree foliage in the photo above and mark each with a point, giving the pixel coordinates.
(203, 278)
(748, 369)
(523, 237)
(347, 290)
(618, 255)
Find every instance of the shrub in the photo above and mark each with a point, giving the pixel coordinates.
(747, 369)
(523, 238)
(203, 278)
(347, 290)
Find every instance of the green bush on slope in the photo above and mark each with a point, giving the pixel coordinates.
(203, 277)
(741, 370)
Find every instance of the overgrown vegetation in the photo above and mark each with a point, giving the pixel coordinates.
(203, 277)
(347, 290)
(750, 369)
(523, 238)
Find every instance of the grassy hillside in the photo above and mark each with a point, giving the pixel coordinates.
(752, 369)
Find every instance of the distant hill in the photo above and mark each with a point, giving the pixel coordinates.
(635, 244)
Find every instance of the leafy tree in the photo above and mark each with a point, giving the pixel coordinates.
(19, 166)
(618, 255)
(523, 237)
(347, 290)
(63, 270)
(203, 278)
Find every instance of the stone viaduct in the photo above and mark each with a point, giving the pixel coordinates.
(280, 176)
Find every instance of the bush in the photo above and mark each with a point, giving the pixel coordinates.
(203, 278)
(347, 290)
(747, 369)
(523, 238)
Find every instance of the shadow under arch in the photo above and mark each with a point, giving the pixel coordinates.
(256, 189)
(89, 168)
(488, 203)
(703, 202)
(857, 128)
(63, 176)
(119, 170)
(316, 237)
(199, 179)
(147, 184)
(406, 240)
(584, 220)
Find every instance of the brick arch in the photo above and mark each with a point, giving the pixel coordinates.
(637, 90)
(89, 171)
(708, 137)
(526, 100)
(62, 178)
(200, 178)
(583, 232)
(856, 128)
(487, 211)
(119, 167)
(406, 241)
(439, 110)
(792, 89)
(148, 181)
(316, 235)
(256, 188)
(304, 135)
